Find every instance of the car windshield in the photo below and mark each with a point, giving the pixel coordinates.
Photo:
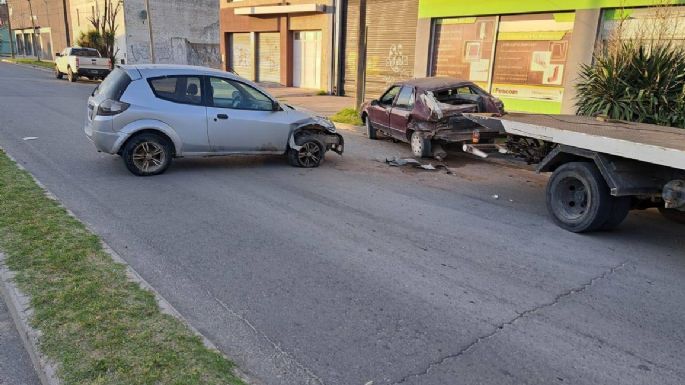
(83, 52)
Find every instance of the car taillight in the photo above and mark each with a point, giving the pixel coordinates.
(77, 62)
(112, 107)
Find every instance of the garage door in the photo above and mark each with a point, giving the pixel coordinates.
(307, 59)
(242, 55)
(269, 57)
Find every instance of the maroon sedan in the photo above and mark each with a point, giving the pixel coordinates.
(430, 110)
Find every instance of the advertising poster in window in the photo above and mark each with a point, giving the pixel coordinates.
(463, 48)
(531, 54)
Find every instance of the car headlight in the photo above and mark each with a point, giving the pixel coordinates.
(326, 123)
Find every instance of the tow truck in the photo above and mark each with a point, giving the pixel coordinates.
(601, 168)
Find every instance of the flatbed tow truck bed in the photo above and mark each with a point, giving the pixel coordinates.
(601, 168)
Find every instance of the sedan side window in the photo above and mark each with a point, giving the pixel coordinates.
(226, 93)
(178, 89)
(389, 97)
(405, 100)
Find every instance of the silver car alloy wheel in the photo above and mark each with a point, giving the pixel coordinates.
(309, 154)
(149, 157)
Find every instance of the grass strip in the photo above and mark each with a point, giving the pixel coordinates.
(348, 116)
(99, 327)
(44, 64)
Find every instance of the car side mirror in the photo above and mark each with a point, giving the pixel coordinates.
(275, 107)
(375, 102)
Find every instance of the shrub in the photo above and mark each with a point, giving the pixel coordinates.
(637, 83)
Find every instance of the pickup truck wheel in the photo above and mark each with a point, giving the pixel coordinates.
(70, 75)
(310, 154)
(421, 147)
(147, 155)
(673, 215)
(371, 131)
(58, 74)
(578, 198)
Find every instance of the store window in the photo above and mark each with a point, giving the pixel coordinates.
(463, 48)
(651, 25)
(530, 61)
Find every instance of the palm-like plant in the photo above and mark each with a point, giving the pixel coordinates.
(637, 83)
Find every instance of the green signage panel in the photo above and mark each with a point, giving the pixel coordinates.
(450, 8)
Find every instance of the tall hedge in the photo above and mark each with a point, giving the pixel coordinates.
(636, 83)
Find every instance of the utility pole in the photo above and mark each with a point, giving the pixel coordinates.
(66, 22)
(35, 32)
(149, 28)
(361, 55)
(9, 26)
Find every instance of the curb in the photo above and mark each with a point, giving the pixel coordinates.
(25, 66)
(20, 308)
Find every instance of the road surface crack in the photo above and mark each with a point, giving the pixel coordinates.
(519, 316)
(281, 354)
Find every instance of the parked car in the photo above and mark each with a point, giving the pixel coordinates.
(149, 114)
(76, 62)
(430, 110)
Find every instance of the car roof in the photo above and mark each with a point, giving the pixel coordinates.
(153, 70)
(434, 83)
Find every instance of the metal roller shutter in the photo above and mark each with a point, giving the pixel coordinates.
(269, 57)
(391, 43)
(242, 55)
(351, 45)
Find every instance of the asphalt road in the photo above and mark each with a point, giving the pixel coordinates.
(358, 272)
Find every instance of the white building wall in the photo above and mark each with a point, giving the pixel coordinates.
(184, 32)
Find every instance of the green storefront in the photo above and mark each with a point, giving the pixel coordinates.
(527, 53)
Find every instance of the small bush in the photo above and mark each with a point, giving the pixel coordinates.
(348, 116)
(635, 82)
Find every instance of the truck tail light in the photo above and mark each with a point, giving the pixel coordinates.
(78, 62)
(112, 107)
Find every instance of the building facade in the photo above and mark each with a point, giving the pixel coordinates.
(289, 43)
(529, 53)
(39, 27)
(5, 42)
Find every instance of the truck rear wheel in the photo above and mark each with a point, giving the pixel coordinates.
(578, 198)
(673, 215)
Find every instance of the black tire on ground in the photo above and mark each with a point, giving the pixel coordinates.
(619, 212)
(673, 215)
(578, 198)
(311, 153)
(371, 131)
(71, 76)
(147, 154)
(421, 147)
(58, 74)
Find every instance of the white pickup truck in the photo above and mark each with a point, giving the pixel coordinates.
(76, 62)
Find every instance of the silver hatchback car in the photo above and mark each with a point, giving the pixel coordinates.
(150, 114)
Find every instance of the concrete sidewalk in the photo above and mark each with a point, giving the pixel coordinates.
(322, 104)
(15, 364)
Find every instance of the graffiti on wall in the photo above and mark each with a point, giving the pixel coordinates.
(398, 64)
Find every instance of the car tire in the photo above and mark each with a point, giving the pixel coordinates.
(578, 198)
(311, 153)
(58, 74)
(371, 131)
(619, 212)
(147, 154)
(421, 147)
(674, 215)
(71, 76)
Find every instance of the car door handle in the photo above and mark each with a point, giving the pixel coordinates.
(222, 116)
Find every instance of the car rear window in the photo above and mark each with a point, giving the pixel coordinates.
(114, 85)
(178, 89)
(84, 52)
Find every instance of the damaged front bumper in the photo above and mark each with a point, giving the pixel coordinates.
(335, 142)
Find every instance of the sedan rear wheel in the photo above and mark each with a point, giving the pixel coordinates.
(310, 154)
(421, 147)
(147, 155)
